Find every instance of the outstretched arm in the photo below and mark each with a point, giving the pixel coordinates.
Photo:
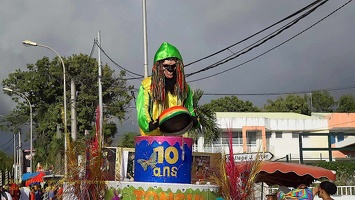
(142, 105)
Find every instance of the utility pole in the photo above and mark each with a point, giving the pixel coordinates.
(20, 166)
(74, 129)
(145, 42)
(15, 159)
(100, 92)
(310, 97)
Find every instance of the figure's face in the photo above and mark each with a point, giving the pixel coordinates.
(169, 67)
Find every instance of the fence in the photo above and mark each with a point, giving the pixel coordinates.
(342, 190)
(346, 190)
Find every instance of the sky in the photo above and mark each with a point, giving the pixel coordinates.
(315, 57)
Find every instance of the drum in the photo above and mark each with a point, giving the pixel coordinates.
(165, 159)
(175, 121)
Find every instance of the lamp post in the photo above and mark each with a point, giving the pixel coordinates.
(30, 43)
(31, 122)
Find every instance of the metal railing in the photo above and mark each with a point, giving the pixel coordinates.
(218, 148)
(341, 190)
(345, 190)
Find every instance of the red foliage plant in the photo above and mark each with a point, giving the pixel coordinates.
(236, 179)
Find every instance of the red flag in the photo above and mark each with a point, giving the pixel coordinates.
(95, 142)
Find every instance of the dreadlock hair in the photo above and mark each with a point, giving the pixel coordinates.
(158, 87)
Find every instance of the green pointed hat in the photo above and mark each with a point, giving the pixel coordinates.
(167, 50)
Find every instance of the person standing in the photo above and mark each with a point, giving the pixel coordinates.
(325, 189)
(38, 192)
(14, 190)
(52, 193)
(25, 193)
(32, 195)
(165, 88)
(4, 195)
(302, 192)
(59, 194)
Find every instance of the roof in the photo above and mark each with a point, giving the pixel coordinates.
(270, 115)
(321, 114)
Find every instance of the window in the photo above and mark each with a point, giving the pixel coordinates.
(268, 134)
(340, 137)
(237, 138)
(332, 139)
(278, 134)
(336, 137)
(225, 138)
(251, 138)
(295, 134)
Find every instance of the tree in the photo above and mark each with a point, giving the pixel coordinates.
(346, 103)
(345, 171)
(322, 101)
(231, 104)
(6, 162)
(42, 84)
(128, 140)
(292, 103)
(207, 118)
(7, 123)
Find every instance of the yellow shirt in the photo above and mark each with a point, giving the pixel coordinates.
(149, 110)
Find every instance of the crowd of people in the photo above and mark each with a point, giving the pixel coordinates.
(36, 191)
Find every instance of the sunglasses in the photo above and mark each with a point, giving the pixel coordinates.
(170, 67)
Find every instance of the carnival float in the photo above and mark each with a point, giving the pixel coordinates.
(162, 163)
(163, 155)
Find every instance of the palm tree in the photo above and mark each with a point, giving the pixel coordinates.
(208, 122)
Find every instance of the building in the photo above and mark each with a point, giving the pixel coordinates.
(321, 136)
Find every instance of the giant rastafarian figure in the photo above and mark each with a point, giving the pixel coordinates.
(164, 89)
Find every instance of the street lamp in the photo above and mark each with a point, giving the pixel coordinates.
(31, 122)
(30, 43)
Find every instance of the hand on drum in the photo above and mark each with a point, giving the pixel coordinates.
(194, 121)
(153, 125)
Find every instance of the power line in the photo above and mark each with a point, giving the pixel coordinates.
(7, 148)
(141, 76)
(92, 52)
(119, 66)
(227, 48)
(275, 46)
(7, 143)
(92, 49)
(257, 43)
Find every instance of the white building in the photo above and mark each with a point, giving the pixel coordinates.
(278, 133)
